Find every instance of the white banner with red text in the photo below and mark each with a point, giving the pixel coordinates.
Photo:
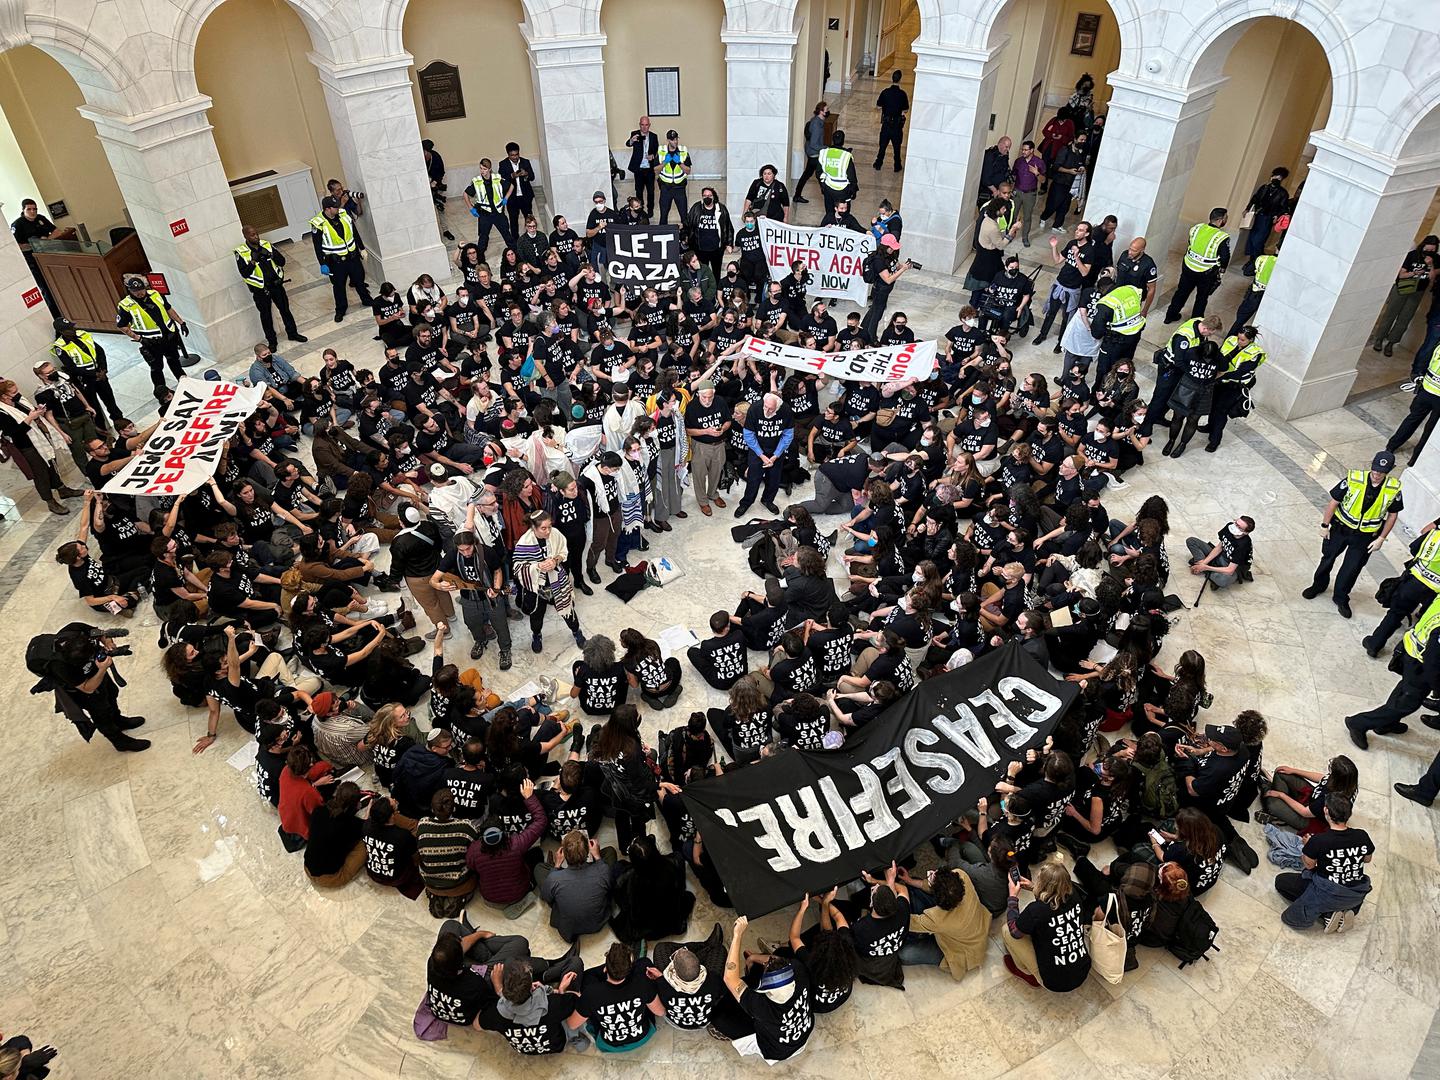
(183, 452)
(834, 256)
(889, 363)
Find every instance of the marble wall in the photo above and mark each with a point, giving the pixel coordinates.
(758, 68)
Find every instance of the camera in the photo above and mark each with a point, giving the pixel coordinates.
(915, 265)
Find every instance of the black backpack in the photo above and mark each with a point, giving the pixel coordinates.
(1195, 934)
(39, 656)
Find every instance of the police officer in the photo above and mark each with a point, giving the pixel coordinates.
(1419, 678)
(1134, 267)
(838, 179)
(337, 250)
(1190, 336)
(1242, 355)
(1362, 511)
(1414, 590)
(1424, 408)
(146, 317)
(672, 170)
(83, 359)
(486, 195)
(1245, 314)
(1205, 262)
(81, 672)
(1118, 319)
(262, 268)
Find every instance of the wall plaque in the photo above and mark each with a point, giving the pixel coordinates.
(440, 92)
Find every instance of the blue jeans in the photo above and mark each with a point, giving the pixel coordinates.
(1432, 339)
(1259, 233)
(1312, 896)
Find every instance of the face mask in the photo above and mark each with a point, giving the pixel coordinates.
(709, 202)
(1139, 418)
(750, 225)
(926, 440)
(917, 577)
(1235, 529)
(970, 324)
(976, 399)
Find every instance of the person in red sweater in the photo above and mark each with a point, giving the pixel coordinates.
(505, 865)
(300, 783)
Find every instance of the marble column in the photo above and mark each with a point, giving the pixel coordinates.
(1152, 138)
(948, 133)
(758, 69)
(372, 110)
(569, 83)
(1358, 217)
(25, 329)
(168, 170)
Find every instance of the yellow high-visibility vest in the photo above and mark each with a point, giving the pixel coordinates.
(256, 279)
(835, 167)
(672, 172)
(336, 237)
(1418, 635)
(140, 320)
(1124, 302)
(82, 352)
(1367, 519)
(1204, 251)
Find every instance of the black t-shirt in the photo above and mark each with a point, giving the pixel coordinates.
(1062, 951)
(703, 416)
(1340, 854)
(582, 810)
(691, 1011)
(458, 999)
(600, 691)
(824, 999)
(267, 773)
(793, 677)
(722, 661)
(831, 649)
(471, 788)
(847, 473)
(389, 851)
(781, 1029)
(875, 937)
(621, 1014)
(546, 1037)
(1219, 776)
(1074, 253)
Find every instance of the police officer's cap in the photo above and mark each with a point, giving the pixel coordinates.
(1382, 462)
(135, 283)
(672, 134)
(329, 203)
(63, 324)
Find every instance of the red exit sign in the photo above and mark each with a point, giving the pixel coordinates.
(180, 227)
(32, 298)
(158, 283)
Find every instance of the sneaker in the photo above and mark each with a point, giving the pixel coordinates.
(505, 660)
(1262, 818)
(1337, 922)
(548, 687)
(536, 644)
(1408, 385)
(477, 650)
(1117, 483)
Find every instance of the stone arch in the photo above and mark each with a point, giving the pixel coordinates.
(971, 24)
(336, 29)
(1417, 122)
(102, 76)
(1205, 44)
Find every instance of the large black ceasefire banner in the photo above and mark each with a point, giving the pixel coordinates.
(643, 255)
(806, 820)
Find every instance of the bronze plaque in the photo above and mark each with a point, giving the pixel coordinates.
(440, 92)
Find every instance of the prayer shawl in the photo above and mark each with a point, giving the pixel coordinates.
(631, 499)
(617, 424)
(39, 433)
(554, 585)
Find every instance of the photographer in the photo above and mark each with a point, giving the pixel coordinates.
(80, 670)
(882, 269)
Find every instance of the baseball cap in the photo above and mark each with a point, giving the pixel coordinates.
(133, 282)
(672, 134)
(63, 324)
(1224, 734)
(1384, 461)
(889, 241)
(598, 195)
(323, 703)
(329, 203)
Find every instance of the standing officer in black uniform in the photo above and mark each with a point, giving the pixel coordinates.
(262, 268)
(337, 250)
(517, 175)
(1362, 511)
(893, 103)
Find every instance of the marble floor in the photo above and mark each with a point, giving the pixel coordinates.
(151, 926)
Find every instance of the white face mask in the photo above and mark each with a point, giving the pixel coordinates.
(1235, 529)
(970, 324)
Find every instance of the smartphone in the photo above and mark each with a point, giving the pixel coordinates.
(1156, 838)
(1015, 874)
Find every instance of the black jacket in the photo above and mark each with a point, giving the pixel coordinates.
(692, 224)
(807, 597)
(639, 145)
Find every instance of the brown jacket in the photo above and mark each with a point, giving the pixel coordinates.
(330, 457)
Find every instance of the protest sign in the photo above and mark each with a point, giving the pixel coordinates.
(643, 255)
(915, 360)
(834, 256)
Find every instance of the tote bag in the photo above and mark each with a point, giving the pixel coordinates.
(1108, 946)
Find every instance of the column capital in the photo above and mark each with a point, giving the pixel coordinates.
(1163, 99)
(155, 128)
(363, 76)
(785, 38)
(561, 51)
(1370, 170)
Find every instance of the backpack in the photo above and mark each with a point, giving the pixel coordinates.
(867, 272)
(39, 656)
(1195, 934)
(1159, 794)
(762, 558)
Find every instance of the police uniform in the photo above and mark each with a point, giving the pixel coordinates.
(1173, 361)
(1241, 364)
(1417, 587)
(672, 171)
(487, 196)
(337, 250)
(1118, 323)
(1424, 409)
(154, 323)
(82, 358)
(1245, 315)
(262, 268)
(1362, 509)
(837, 175)
(1419, 677)
(1206, 258)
